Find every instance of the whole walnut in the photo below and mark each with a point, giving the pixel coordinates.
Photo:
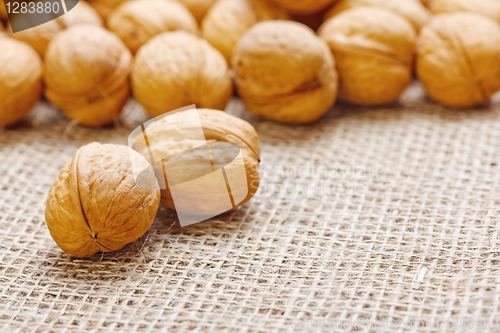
(284, 72)
(373, 48)
(86, 74)
(488, 8)
(105, 7)
(458, 59)
(20, 80)
(198, 8)
(228, 20)
(40, 36)
(176, 69)
(207, 160)
(98, 204)
(304, 7)
(135, 22)
(412, 10)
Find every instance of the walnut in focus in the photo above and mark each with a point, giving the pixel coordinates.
(135, 22)
(284, 72)
(98, 204)
(488, 8)
(177, 69)
(228, 20)
(192, 158)
(458, 59)
(373, 48)
(20, 80)
(40, 36)
(412, 10)
(86, 74)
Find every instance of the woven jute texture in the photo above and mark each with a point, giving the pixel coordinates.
(372, 219)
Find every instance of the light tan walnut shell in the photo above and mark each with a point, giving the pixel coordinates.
(40, 36)
(412, 10)
(136, 22)
(174, 139)
(198, 8)
(284, 72)
(20, 80)
(458, 59)
(177, 69)
(97, 204)
(105, 7)
(86, 74)
(488, 8)
(304, 7)
(228, 20)
(373, 48)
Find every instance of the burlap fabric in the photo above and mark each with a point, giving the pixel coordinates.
(383, 216)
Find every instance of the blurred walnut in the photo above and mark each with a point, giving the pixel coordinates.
(106, 7)
(177, 69)
(97, 204)
(3, 12)
(304, 7)
(373, 49)
(458, 59)
(86, 74)
(192, 158)
(20, 80)
(135, 22)
(412, 10)
(228, 20)
(40, 36)
(489, 8)
(284, 72)
(198, 8)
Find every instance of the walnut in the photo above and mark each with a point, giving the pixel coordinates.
(373, 49)
(488, 8)
(105, 7)
(97, 204)
(284, 72)
(175, 69)
(86, 74)
(412, 10)
(458, 59)
(20, 80)
(198, 8)
(192, 157)
(40, 36)
(304, 7)
(135, 22)
(228, 20)
(3, 12)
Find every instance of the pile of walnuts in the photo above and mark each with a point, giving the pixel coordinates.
(289, 61)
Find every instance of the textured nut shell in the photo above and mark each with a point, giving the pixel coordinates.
(304, 6)
(86, 74)
(173, 131)
(40, 36)
(198, 8)
(136, 22)
(412, 10)
(228, 20)
(105, 7)
(176, 69)
(458, 59)
(284, 72)
(373, 49)
(20, 80)
(489, 8)
(95, 204)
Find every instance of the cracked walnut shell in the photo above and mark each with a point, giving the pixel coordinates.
(176, 69)
(20, 80)
(86, 74)
(97, 204)
(373, 48)
(284, 72)
(458, 59)
(135, 22)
